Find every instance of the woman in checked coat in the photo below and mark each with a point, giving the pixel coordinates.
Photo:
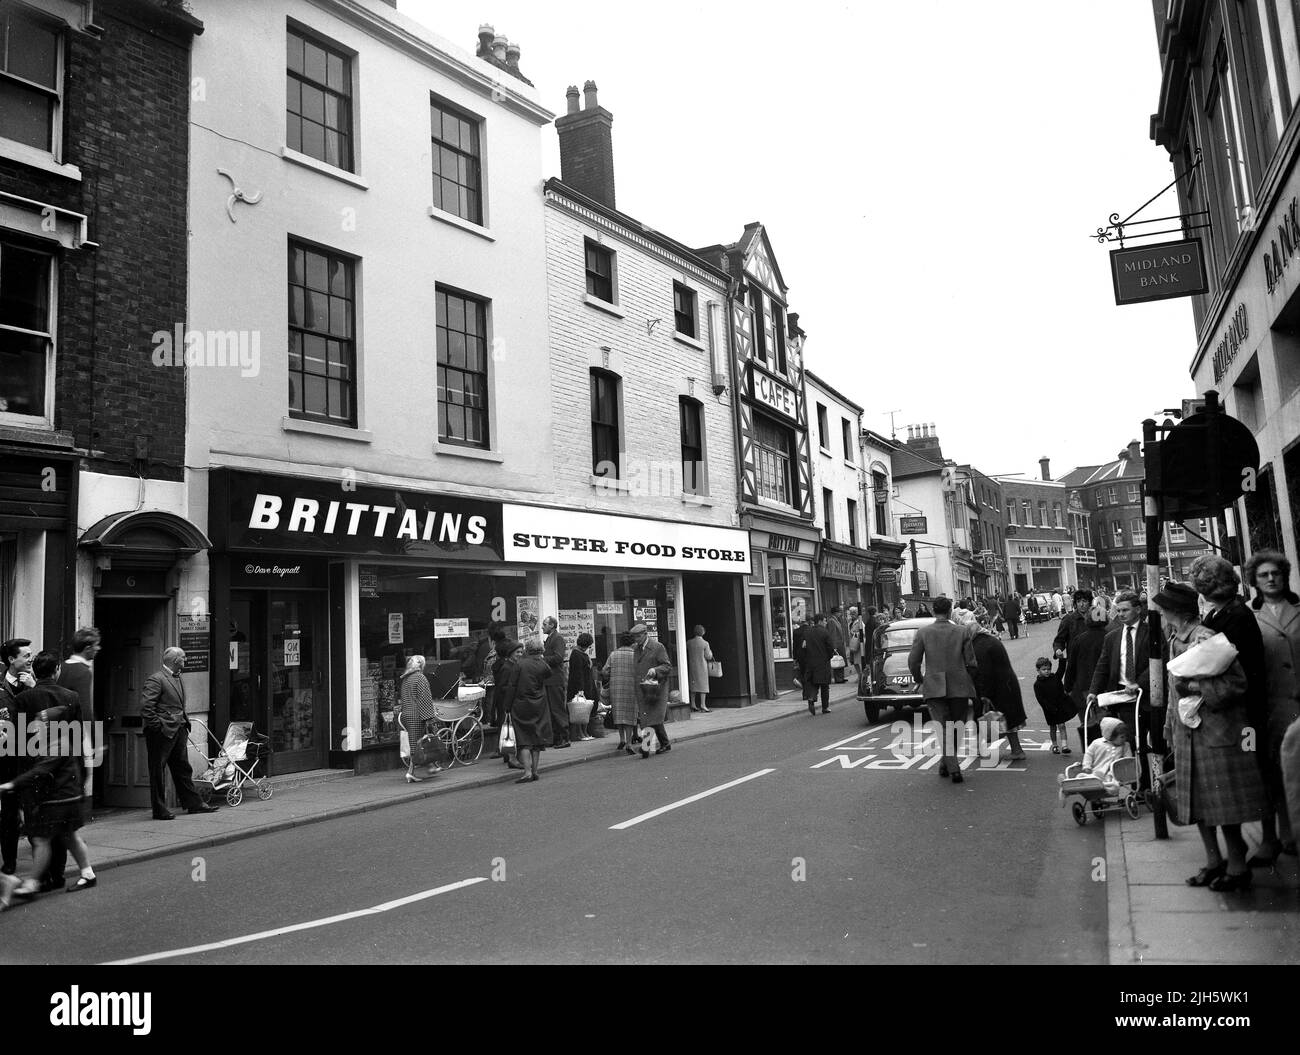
(619, 676)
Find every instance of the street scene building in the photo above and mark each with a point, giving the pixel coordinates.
(388, 488)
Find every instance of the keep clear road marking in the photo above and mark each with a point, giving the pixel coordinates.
(686, 802)
(387, 906)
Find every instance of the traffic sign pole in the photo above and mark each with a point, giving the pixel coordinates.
(1155, 526)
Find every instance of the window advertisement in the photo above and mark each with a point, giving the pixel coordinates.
(445, 614)
(792, 600)
(612, 603)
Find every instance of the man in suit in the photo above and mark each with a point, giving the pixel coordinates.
(839, 639)
(553, 651)
(817, 652)
(1125, 663)
(1011, 613)
(652, 661)
(949, 683)
(165, 725)
(17, 657)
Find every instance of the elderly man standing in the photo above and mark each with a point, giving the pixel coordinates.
(165, 724)
(652, 663)
(554, 651)
(839, 640)
(949, 684)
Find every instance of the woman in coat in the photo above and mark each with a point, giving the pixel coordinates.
(504, 672)
(1081, 660)
(582, 680)
(997, 684)
(1217, 783)
(816, 666)
(619, 676)
(530, 714)
(653, 669)
(416, 709)
(1278, 611)
(698, 658)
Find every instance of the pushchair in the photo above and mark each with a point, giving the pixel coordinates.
(235, 763)
(1087, 791)
(456, 730)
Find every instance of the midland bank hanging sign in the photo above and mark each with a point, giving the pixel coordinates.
(1158, 272)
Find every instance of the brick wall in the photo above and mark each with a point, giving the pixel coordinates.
(125, 126)
(654, 369)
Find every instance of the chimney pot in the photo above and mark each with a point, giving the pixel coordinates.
(587, 147)
(512, 56)
(909, 433)
(589, 90)
(485, 35)
(499, 43)
(572, 96)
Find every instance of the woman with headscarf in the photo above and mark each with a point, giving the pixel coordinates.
(997, 684)
(530, 713)
(619, 676)
(416, 700)
(582, 681)
(1080, 663)
(504, 670)
(1278, 611)
(1217, 784)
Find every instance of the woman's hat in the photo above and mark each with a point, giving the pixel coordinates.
(1177, 597)
(534, 646)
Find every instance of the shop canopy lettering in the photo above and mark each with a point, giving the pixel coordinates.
(352, 518)
(1234, 336)
(619, 547)
(1278, 258)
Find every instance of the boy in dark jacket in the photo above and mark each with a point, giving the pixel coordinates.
(52, 786)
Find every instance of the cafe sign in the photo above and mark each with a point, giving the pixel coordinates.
(774, 394)
(1158, 272)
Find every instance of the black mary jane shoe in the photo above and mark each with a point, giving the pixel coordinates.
(1230, 884)
(1207, 875)
(943, 769)
(82, 883)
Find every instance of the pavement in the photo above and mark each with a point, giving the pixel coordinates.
(1153, 917)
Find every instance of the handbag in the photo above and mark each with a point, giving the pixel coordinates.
(507, 740)
(837, 662)
(715, 668)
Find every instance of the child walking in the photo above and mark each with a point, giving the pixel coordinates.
(1057, 706)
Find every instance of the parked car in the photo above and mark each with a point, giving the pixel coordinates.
(888, 682)
(1044, 609)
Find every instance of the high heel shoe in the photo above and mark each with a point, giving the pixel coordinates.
(1206, 876)
(1230, 884)
(411, 778)
(1263, 860)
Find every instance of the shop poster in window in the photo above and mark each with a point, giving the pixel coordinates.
(293, 651)
(528, 611)
(396, 628)
(575, 621)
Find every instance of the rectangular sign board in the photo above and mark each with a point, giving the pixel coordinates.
(1158, 272)
(913, 526)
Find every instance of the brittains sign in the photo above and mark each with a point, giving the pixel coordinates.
(1158, 272)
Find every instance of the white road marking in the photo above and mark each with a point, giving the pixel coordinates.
(226, 943)
(686, 802)
(849, 740)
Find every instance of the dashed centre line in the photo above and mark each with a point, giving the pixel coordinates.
(687, 801)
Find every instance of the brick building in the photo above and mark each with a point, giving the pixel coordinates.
(638, 335)
(1040, 545)
(93, 175)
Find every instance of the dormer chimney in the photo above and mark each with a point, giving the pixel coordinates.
(587, 147)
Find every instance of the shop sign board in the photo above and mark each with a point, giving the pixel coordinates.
(288, 514)
(783, 543)
(1158, 272)
(539, 535)
(834, 567)
(913, 526)
(887, 575)
(194, 637)
(774, 394)
(443, 628)
(609, 608)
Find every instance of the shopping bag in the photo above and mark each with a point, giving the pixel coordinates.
(837, 662)
(1189, 708)
(1207, 660)
(715, 668)
(507, 741)
(403, 747)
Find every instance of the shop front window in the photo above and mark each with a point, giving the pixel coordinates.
(605, 604)
(790, 590)
(405, 612)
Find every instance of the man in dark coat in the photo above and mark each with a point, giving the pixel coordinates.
(554, 651)
(162, 712)
(839, 640)
(801, 627)
(997, 685)
(1072, 624)
(16, 680)
(1125, 661)
(817, 652)
(1011, 613)
(948, 684)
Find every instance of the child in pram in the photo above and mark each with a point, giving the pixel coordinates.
(1100, 758)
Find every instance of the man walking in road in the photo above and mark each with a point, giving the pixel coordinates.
(554, 652)
(948, 685)
(162, 712)
(1011, 613)
(839, 640)
(817, 652)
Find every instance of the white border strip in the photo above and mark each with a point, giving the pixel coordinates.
(387, 906)
(686, 802)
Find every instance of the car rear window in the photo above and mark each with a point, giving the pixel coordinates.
(901, 638)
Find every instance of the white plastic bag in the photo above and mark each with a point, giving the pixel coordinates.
(1209, 659)
(1189, 708)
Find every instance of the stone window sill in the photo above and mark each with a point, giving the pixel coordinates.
(452, 220)
(604, 305)
(332, 171)
(688, 341)
(37, 159)
(477, 453)
(319, 428)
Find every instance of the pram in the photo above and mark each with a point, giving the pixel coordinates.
(235, 763)
(1087, 790)
(456, 726)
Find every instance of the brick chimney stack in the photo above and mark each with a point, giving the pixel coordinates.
(924, 440)
(1045, 465)
(587, 146)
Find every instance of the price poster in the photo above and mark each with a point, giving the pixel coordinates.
(451, 627)
(610, 608)
(293, 651)
(575, 621)
(396, 628)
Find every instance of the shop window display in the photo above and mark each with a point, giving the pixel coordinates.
(404, 612)
(790, 591)
(606, 604)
